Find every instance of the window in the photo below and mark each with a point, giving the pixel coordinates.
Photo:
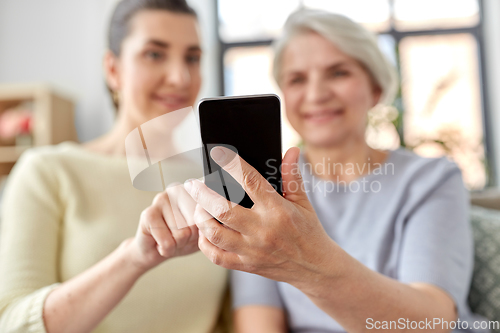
(435, 14)
(436, 45)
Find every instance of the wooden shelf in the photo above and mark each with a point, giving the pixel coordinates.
(53, 118)
(10, 154)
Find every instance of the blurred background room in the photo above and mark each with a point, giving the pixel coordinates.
(447, 53)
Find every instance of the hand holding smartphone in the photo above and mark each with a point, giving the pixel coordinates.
(248, 125)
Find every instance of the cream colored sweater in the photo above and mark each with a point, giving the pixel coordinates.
(64, 209)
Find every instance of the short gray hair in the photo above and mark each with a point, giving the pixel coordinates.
(350, 37)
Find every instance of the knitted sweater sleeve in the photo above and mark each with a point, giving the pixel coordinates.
(30, 229)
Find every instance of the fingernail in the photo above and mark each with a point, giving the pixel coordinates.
(188, 185)
(218, 154)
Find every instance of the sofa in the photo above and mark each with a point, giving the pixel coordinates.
(484, 296)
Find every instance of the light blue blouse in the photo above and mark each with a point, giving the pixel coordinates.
(408, 219)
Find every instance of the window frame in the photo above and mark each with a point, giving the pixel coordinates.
(475, 31)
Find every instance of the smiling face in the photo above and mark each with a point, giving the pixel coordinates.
(158, 70)
(327, 93)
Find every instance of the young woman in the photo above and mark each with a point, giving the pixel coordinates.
(69, 258)
(364, 239)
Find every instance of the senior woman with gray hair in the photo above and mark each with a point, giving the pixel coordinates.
(362, 239)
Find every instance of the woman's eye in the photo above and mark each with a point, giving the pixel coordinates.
(193, 59)
(296, 80)
(339, 73)
(154, 55)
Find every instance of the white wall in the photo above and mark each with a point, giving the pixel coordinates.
(492, 54)
(62, 42)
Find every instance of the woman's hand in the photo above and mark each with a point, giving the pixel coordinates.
(279, 238)
(81, 303)
(166, 229)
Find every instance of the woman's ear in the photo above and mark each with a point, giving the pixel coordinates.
(112, 70)
(377, 93)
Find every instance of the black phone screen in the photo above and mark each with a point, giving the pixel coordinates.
(250, 124)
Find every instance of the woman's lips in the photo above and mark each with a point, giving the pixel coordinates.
(171, 101)
(323, 116)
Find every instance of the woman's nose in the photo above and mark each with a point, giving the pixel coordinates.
(177, 74)
(317, 91)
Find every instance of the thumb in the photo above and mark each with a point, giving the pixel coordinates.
(293, 185)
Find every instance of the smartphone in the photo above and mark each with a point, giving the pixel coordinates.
(248, 125)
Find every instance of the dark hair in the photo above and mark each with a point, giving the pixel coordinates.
(124, 11)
